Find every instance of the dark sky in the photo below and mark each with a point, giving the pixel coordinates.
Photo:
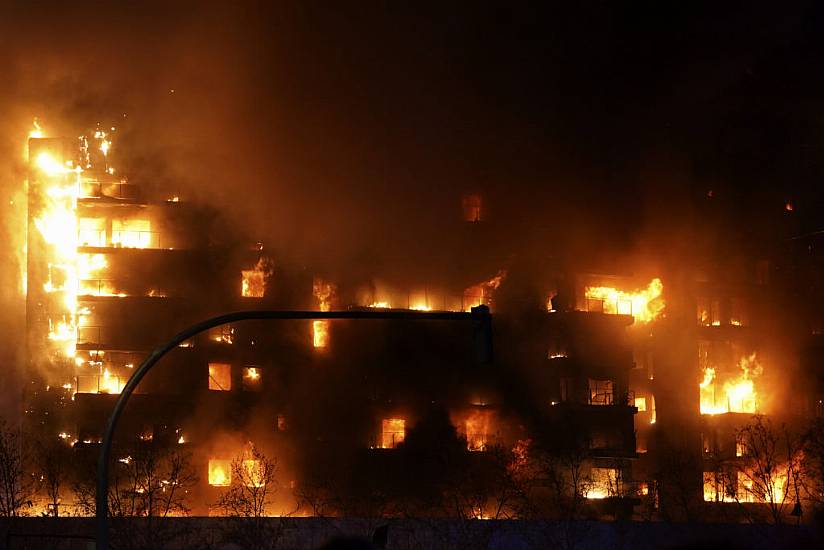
(349, 131)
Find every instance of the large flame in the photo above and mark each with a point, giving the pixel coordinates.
(645, 304)
(253, 284)
(220, 472)
(324, 293)
(736, 394)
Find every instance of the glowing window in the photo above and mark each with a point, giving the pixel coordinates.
(252, 283)
(393, 432)
(600, 392)
(641, 404)
(132, 233)
(604, 483)
(91, 232)
(253, 473)
(252, 380)
(477, 430)
(224, 334)
(220, 472)
(220, 376)
(320, 333)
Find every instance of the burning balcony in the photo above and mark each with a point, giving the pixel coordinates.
(643, 304)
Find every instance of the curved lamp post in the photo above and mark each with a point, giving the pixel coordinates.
(482, 342)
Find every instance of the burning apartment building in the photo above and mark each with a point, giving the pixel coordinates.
(627, 389)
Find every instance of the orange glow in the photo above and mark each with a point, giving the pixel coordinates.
(477, 427)
(481, 294)
(393, 432)
(220, 472)
(253, 473)
(603, 483)
(109, 383)
(253, 281)
(324, 294)
(737, 392)
(644, 305)
(380, 305)
(220, 376)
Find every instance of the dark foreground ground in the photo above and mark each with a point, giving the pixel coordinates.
(407, 534)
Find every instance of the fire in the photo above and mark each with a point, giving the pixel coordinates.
(737, 394)
(220, 472)
(252, 379)
(644, 305)
(109, 383)
(393, 432)
(380, 305)
(253, 472)
(603, 483)
(253, 283)
(56, 221)
(477, 430)
(324, 293)
(481, 294)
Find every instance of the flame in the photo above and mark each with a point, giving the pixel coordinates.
(109, 383)
(477, 427)
(253, 472)
(220, 472)
(393, 432)
(481, 293)
(738, 393)
(253, 283)
(37, 130)
(324, 293)
(644, 305)
(380, 305)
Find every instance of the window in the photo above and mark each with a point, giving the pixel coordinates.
(252, 380)
(595, 305)
(224, 334)
(472, 208)
(253, 473)
(738, 313)
(320, 334)
(477, 427)
(220, 472)
(132, 234)
(641, 404)
(740, 446)
(556, 350)
(566, 388)
(91, 232)
(600, 392)
(393, 432)
(220, 376)
(604, 483)
(708, 312)
(253, 283)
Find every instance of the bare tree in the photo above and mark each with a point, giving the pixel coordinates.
(813, 464)
(248, 500)
(769, 471)
(16, 488)
(53, 458)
